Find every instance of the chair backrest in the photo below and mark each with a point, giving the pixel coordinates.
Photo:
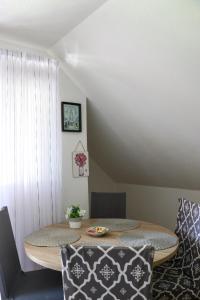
(106, 272)
(9, 260)
(108, 205)
(188, 232)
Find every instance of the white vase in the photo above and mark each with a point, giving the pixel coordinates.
(81, 171)
(75, 223)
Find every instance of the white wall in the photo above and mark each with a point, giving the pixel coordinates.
(12, 44)
(138, 61)
(75, 190)
(99, 181)
(154, 204)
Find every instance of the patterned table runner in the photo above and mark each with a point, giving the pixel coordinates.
(116, 224)
(52, 237)
(159, 240)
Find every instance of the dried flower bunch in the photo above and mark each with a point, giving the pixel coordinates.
(80, 159)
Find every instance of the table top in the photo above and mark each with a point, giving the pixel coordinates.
(49, 257)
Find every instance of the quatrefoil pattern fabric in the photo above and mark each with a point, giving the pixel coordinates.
(107, 273)
(179, 278)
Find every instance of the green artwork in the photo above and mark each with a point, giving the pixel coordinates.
(71, 116)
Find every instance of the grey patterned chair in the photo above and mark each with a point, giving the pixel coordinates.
(108, 205)
(14, 283)
(179, 278)
(106, 272)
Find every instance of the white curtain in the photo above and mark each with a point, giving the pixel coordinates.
(30, 144)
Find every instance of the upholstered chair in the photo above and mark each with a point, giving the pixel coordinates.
(108, 205)
(14, 283)
(106, 272)
(179, 278)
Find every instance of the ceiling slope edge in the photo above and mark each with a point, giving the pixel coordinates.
(78, 24)
(143, 92)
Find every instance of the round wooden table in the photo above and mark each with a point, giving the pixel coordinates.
(49, 257)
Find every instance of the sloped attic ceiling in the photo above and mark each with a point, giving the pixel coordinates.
(138, 62)
(42, 22)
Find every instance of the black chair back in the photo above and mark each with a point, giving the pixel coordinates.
(9, 260)
(107, 272)
(108, 205)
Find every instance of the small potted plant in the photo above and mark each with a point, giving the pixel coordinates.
(74, 214)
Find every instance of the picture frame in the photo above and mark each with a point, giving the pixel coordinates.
(71, 117)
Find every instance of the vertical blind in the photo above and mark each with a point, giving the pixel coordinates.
(30, 143)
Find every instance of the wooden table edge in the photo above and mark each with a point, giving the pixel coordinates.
(48, 263)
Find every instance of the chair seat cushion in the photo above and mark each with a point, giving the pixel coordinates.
(170, 283)
(38, 285)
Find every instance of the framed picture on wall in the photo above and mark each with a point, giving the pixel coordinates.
(71, 117)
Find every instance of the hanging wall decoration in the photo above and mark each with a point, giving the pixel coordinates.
(80, 161)
(71, 116)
